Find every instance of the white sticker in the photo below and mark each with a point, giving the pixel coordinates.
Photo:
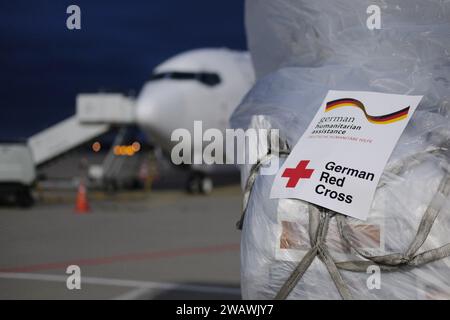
(338, 161)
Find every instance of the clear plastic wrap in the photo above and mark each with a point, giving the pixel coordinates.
(311, 47)
(305, 33)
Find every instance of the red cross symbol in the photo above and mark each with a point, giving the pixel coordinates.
(295, 174)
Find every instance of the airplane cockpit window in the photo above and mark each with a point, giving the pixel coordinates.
(207, 78)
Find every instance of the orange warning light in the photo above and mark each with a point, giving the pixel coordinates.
(136, 146)
(96, 146)
(127, 150)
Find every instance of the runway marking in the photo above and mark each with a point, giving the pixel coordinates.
(155, 255)
(133, 294)
(141, 286)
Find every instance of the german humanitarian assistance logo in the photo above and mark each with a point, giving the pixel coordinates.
(384, 119)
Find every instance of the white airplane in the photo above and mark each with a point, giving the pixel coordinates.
(203, 84)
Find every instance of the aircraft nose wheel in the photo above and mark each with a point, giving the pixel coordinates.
(199, 183)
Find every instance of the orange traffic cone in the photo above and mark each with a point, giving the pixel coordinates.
(81, 206)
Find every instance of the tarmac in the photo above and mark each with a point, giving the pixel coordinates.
(162, 244)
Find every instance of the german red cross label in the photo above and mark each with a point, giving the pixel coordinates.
(339, 159)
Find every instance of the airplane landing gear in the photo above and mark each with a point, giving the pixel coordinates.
(199, 183)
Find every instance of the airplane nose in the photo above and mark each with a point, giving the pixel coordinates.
(155, 107)
(145, 108)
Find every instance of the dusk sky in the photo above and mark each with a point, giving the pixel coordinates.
(44, 65)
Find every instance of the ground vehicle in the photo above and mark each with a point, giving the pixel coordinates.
(17, 173)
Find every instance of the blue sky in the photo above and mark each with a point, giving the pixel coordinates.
(44, 65)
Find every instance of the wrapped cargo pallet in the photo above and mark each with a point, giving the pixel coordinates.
(301, 49)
